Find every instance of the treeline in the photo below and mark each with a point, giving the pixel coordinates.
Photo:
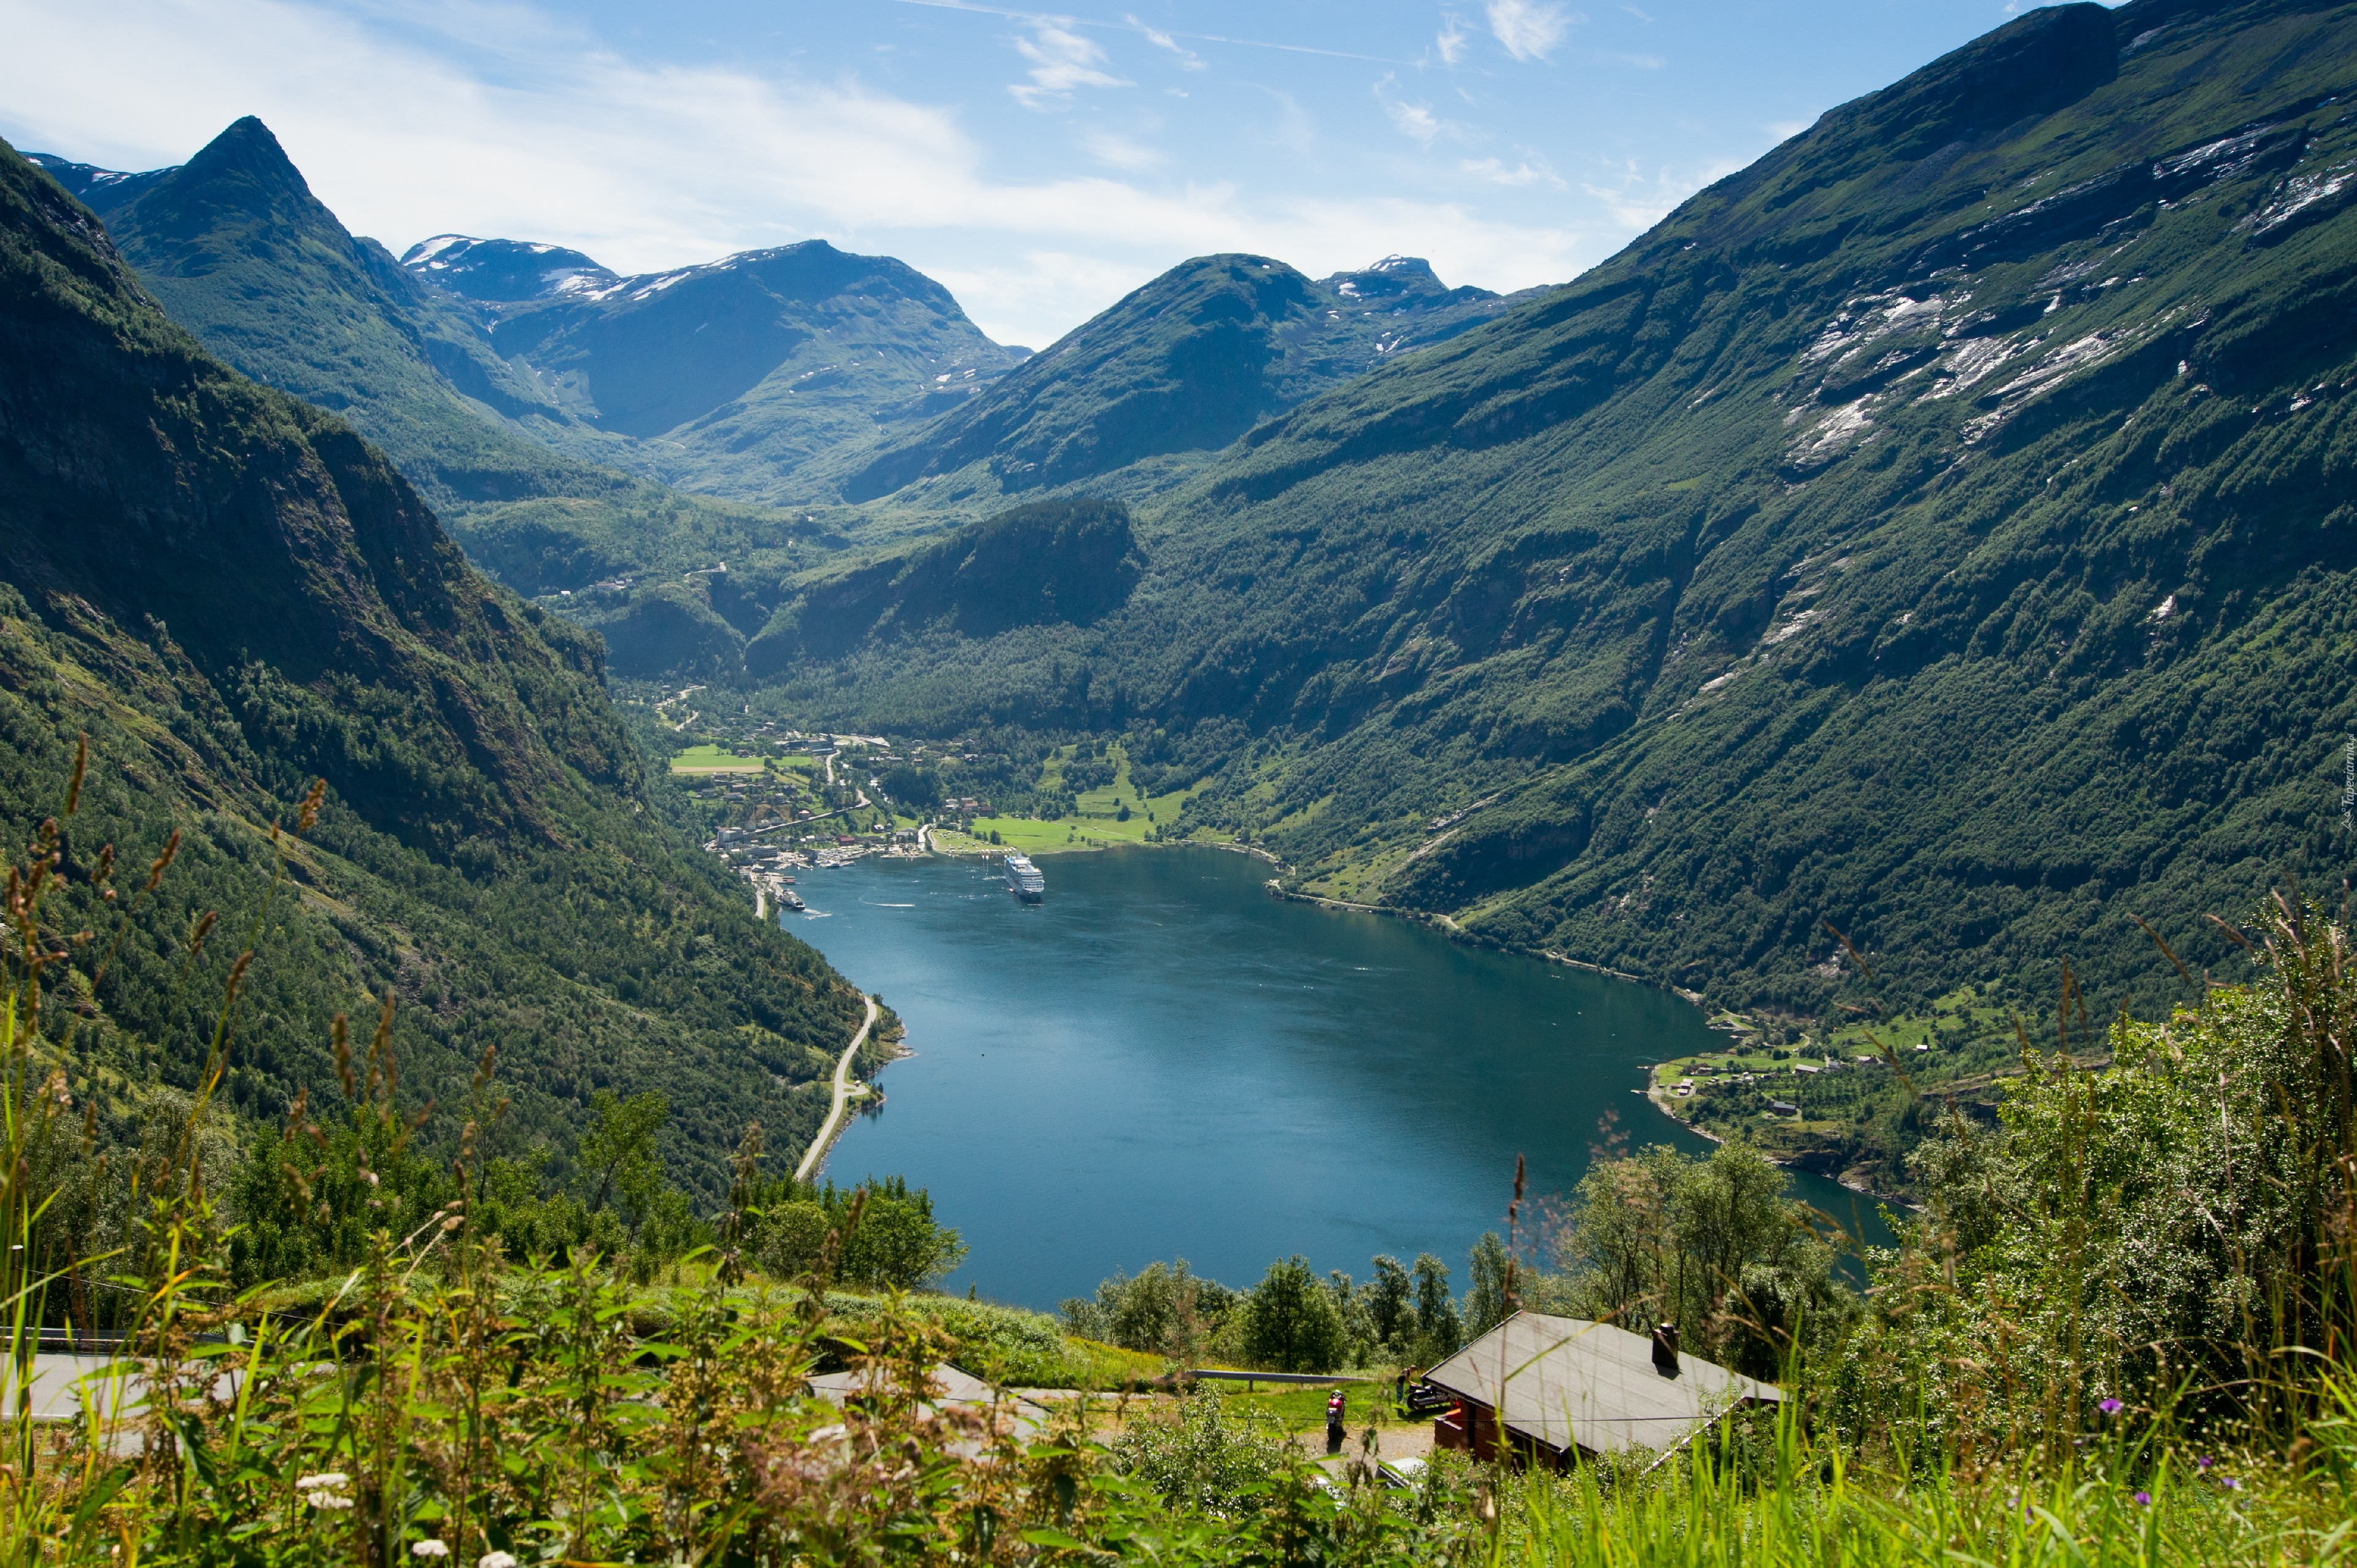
(307, 1193)
(1292, 1321)
(2169, 1235)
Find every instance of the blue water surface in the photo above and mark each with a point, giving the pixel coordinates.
(1163, 1061)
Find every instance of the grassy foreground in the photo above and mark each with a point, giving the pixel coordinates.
(2055, 1367)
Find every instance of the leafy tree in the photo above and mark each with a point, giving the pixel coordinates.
(1203, 1457)
(1290, 1322)
(306, 1201)
(791, 1239)
(1491, 1300)
(911, 785)
(616, 1157)
(897, 1241)
(1711, 1244)
(1438, 1330)
(2173, 1231)
(1390, 1297)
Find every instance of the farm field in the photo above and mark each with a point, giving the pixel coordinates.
(716, 759)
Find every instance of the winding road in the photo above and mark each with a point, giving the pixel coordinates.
(843, 1088)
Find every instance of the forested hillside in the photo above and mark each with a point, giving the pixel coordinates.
(1144, 392)
(232, 594)
(1940, 526)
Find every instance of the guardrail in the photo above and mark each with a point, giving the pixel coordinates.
(1221, 1374)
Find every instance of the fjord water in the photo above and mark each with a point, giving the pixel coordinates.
(1161, 1061)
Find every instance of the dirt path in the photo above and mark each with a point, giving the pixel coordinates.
(816, 1157)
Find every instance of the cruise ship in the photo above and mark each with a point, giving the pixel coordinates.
(1023, 880)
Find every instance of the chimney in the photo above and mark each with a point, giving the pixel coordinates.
(1666, 1349)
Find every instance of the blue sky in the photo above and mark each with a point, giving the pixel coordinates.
(1040, 163)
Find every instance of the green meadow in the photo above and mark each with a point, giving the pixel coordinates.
(710, 758)
(1096, 823)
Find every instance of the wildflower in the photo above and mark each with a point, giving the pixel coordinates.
(2204, 1462)
(429, 1547)
(326, 1478)
(497, 1559)
(2110, 1407)
(327, 1499)
(2144, 1499)
(2230, 1483)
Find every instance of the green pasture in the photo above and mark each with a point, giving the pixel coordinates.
(1096, 825)
(713, 759)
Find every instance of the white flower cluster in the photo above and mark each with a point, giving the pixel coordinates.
(325, 1490)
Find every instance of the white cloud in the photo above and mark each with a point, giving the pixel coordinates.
(1450, 40)
(495, 120)
(1061, 61)
(1188, 58)
(1529, 30)
(1785, 130)
(1638, 200)
(1119, 152)
(1529, 169)
(1416, 121)
(1643, 62)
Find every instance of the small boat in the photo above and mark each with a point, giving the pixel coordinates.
(791, 900)
(1023, 880)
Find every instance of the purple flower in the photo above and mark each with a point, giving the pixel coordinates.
(2144, 1499)
(2230, 1483)
(2110, 1407)
(2204, 1462)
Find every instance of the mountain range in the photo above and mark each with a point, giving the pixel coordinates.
(1936, 529)
(730, 378)
(1148, 391)
(574, 427)
(229, 593)
(1940, 528)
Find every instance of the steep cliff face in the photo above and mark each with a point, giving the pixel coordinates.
(232, 593)
(154, 486)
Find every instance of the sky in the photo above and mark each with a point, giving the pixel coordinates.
(1041, 164)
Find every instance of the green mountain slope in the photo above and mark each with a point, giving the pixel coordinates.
(230, 594)
(242, 253)
(1942, 526)
(1138, 397)
(1050, 563)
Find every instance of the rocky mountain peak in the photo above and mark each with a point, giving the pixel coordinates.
(504, 272)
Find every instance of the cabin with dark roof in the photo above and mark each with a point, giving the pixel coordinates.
(1554, 1390)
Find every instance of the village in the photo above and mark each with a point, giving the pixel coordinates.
(779, 803)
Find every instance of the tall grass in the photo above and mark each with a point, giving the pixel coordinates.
(444, 1402)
